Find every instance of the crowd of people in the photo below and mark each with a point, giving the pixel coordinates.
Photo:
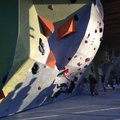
(94, 83)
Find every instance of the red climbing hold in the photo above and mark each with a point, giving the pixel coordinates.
(87, 59)
(66, 71)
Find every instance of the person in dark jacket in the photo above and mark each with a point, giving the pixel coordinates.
(93, 87)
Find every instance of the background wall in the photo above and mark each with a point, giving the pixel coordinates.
(8, 34)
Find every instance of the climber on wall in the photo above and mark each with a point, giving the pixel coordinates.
(65, 87)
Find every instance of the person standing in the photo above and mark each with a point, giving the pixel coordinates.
(102, 73)
(93, 85)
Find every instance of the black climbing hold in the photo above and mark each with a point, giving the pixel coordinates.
(85, 66)
(100, 30)
(51, 7)
(69, 58)
(76, 17)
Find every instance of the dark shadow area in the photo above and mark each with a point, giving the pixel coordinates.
(8, 35)
(42, 97)
(40, 26)
(10, 95)
(32, 29)
(5, 78)
(60, 1)
(19, 98)
(21, 54)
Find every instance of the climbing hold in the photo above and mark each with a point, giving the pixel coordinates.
(69, 58)
(79, 69)
(75, 56)
(39, 87)
(67, 28)
(95, 31)
(51, 61)
(41, 47)
(76, 17)
(100, 24)
(88, 35)
(47, 26)
(79, 64)
(51, 7)
(100, 30)
(85, 66)
(35, 68)
(86, 41)
(66, 71)
(87, 59)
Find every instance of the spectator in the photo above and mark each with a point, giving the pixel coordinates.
(111, 82)
(101, 71)
(93, 87)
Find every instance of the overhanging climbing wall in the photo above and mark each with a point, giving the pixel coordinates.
(62, 56)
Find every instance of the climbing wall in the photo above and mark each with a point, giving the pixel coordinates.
(62, 54)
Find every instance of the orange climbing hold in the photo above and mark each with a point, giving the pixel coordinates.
(67, 28)
(47, 26)
(51, 61)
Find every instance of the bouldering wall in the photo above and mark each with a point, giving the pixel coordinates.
(57, 57)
